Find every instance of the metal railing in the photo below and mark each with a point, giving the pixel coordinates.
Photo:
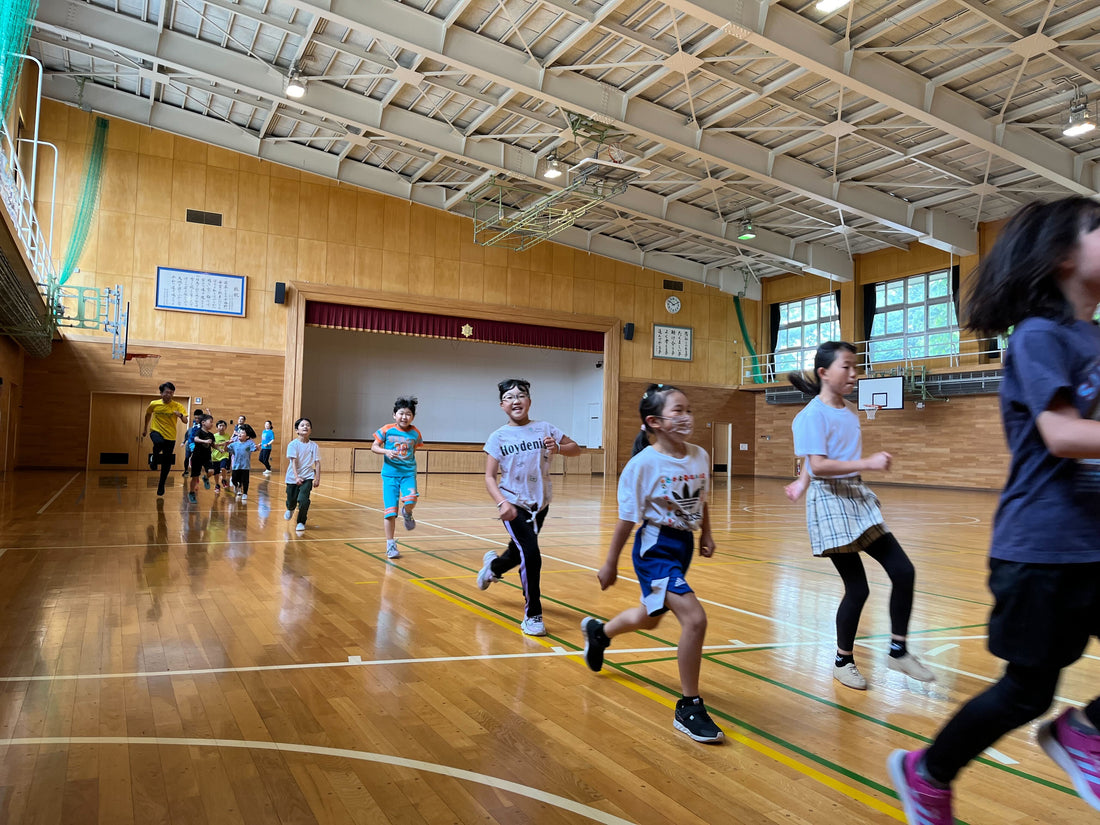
(18, 199)
(972, 352)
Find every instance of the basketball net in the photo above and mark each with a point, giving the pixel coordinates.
(147, 364)
(871, 410)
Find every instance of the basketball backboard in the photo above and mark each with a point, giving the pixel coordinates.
(881, 392)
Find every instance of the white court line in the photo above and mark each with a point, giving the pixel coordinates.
(358, 661)
(59, 492)
(493, 782)
(936, 651)
(996, 755)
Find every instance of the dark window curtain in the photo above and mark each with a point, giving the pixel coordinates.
(868, 310)
(775, 327)
(955, 289)
(425, 325)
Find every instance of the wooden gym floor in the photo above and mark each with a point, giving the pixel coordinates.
(201, 664)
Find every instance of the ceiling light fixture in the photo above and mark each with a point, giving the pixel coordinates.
(747, 232)
(829, 6)
(295, 84)
(553, 168)
(1080, 121)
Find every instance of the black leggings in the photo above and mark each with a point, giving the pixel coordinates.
(523, 551)
(265, 458)
(240, 480)
(1023, 694)
(887, 552)
(163, 453)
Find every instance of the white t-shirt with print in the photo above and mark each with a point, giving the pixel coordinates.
(665, 491)
(829, 431)
(307, 454)
(524, 462)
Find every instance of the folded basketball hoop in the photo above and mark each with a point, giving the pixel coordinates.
(147, 363)
(871, 410)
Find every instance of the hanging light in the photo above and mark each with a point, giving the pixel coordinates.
(747, 232)
(295, 85)
(1080, 121)
(553, 168)
(829, 6)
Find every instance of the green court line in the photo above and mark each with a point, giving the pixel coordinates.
(715, 658)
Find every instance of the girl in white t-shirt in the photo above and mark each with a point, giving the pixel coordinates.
(665, 488)
(303, 472)
(842, 513)
(519, 452)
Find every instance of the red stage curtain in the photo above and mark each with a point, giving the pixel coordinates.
(424, 325)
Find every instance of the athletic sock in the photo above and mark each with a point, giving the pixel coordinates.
(844, 659)
(897, 649)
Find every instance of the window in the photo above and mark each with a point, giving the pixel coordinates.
(803, 326)
(914, 318)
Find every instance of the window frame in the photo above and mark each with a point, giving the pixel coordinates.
(915, 344)
(801, 357)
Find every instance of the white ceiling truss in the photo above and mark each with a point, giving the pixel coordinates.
(882, 124)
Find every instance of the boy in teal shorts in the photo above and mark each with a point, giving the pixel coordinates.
(398, 443)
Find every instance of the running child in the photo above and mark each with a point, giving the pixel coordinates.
(398, 443)
(219, 456)
(240, 452)
(200, 455)
(842, 513)
(663, 487)
(267, 441)
(1042, 277)
(163, 414)
(520, 452)
(189, 441)
(303, 472)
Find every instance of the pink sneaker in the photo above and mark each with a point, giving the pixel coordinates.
(1077, 753)
(924, 803)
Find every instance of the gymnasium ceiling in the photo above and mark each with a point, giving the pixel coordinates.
(875, 126)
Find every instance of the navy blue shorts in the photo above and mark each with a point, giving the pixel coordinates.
(661, 558)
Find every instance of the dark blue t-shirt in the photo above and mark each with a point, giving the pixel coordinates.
(1049, 512)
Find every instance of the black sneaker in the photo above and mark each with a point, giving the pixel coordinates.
(692, 718)
(595, 643)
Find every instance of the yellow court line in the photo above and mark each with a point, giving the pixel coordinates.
(765, 750)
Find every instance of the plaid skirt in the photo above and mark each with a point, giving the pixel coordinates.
(842, 515)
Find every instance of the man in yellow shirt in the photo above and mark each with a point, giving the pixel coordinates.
(163, 414)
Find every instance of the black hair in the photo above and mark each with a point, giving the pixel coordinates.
(167, 385)
(241, 418)
(221, 421)
(405, 403)
(200, 413)
(514, 384)
(204, 418)
(1019, 278)
(270, 422)
(652, 403)
(810, 383)
(247, 430)
(300, 420)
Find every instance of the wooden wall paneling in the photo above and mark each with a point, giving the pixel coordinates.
(447, 461)
(11, 374)
(367, 461)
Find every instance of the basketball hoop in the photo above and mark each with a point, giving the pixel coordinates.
(872, 410)
(616, 153)
(147, 363)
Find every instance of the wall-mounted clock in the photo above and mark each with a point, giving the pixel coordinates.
(672, 304)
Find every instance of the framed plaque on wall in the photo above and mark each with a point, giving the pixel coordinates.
(673, 343)
(184, 290)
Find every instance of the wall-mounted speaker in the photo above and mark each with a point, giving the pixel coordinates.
(628, 332)
(280, 292)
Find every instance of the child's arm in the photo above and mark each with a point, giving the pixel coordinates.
(148, 418)
(294, 465)
(505, 508)
(706, 540)
(317, 471)
(380, 448)
(610, 570)
(567, 446)
(796, 488)
(1065, 433)
(823, 466)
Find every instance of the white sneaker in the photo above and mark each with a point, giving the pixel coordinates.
(267, 472)
(239, 494)
(287, 515)
(486, 577)
(301, 528)
(392, 552)
(244, 497)
(910, 665)
(533, 626)
(849, 676)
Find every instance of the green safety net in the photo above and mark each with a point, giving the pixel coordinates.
(15, 31)
(757, 376)
(89, 199)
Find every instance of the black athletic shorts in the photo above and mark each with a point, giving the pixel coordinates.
(1043, 614)
(200, 460)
